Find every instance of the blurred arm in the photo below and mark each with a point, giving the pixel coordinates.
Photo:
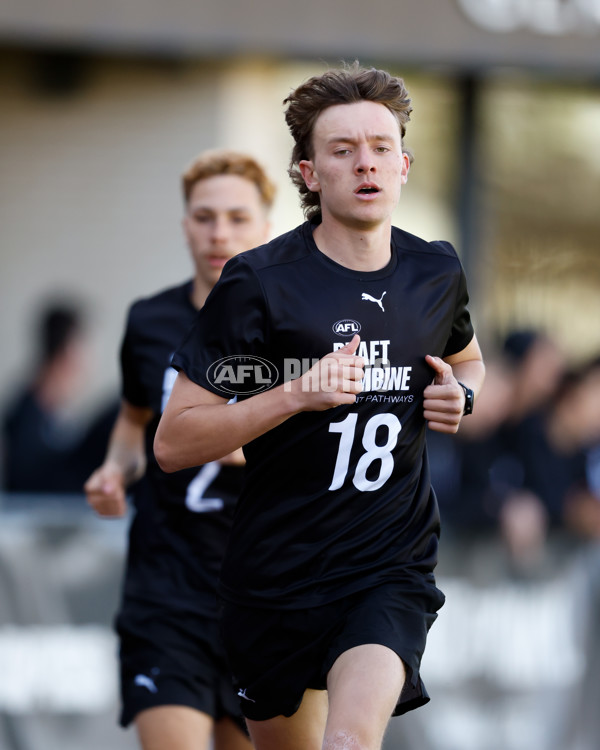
(124, 463)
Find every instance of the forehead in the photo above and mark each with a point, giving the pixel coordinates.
(225, 192)
(356, 120)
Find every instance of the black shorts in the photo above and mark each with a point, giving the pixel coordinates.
(173, 658)
(276, 655)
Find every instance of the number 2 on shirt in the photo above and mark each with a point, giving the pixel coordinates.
(373, 452)
(194, 499)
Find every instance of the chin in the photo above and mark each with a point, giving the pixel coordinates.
(365, 223)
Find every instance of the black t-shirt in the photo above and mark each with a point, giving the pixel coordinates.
(339, 500)
(183, 519)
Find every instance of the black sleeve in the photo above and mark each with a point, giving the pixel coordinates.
(132, 389)
(462, 330)
(233, 322)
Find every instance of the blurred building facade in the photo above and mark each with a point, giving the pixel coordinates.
(104, 105)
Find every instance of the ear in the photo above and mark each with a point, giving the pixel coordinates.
(310, 176)
(405, 168)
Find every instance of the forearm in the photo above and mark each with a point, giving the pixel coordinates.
(197, 434)
(125, 452)
(468, 367)
(471, 372)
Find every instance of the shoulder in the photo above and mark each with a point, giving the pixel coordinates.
(285, 250)
(412, 244)
(145, 308)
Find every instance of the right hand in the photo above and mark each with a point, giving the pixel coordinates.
(105, 491)
(336, 379)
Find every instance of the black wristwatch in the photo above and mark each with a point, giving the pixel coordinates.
(469, 399)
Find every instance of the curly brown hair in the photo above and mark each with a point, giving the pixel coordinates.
(346, 85)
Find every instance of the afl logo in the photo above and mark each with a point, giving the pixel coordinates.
(242, 375)
(346, 327)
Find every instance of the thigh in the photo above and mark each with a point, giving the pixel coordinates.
(363, 685)
(395, 615)
(173, 727)
(228, 735)
(304, 730)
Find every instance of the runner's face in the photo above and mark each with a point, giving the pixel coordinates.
(224, 217)
(358, 166)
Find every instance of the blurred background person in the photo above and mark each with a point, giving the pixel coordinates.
(461, 469)
(532, 501)
(462, 472)
(505, 482)
(175, 684)
(574, 432)
(42, 432)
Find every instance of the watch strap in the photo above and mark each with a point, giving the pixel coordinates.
(469, 399)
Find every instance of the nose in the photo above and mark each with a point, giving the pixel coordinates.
(220, 229)
(365, 162)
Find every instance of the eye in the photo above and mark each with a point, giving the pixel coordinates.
(202, 218)
(381, 149)
(341, 151)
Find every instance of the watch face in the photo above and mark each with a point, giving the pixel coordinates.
(469, 403)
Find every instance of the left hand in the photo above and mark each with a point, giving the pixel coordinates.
(444, 399)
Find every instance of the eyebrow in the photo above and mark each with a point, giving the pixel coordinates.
(210, 209)
(350, 139)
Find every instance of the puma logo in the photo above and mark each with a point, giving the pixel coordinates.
(368, 298)
(144, 681)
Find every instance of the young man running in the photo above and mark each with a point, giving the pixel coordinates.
(328, 579)
(175, 684)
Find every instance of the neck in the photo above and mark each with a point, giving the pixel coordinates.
(355, 248)
(200, 291)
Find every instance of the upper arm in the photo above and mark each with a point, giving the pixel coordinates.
(217, 334)
(186, 394)
(183, 423)
(471, 352)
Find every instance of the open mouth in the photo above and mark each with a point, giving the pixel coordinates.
(367, 190)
